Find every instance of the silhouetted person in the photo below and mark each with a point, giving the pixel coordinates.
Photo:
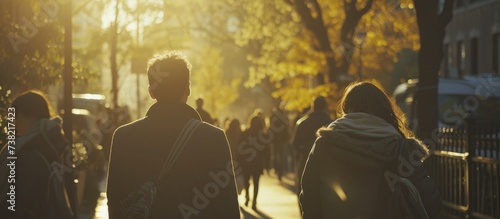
(107, 127)
(205, 116)
(279, 125)
(40, 148)
(299, 115)
(345, 175)
(200, 183)
(252, 151)
(267, 153)
(233, 133)
(305, 134)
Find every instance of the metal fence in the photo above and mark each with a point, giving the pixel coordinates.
(466, 168)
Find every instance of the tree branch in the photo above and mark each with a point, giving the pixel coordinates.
(305, 14)
(367, 7)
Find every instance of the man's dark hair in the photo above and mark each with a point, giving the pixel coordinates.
(168, 75)
(199, 102)
(33, 104)
(319, 103)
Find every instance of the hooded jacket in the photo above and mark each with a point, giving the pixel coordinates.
(200, 183)
(346, 175)
(44, 138)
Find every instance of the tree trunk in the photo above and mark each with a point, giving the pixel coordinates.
(114, 51)
(69, 178)
(432, 24)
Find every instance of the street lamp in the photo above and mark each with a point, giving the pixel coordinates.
(360, 39)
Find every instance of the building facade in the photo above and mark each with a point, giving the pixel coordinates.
(472, 41)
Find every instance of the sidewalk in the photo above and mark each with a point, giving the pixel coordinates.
(276, 200)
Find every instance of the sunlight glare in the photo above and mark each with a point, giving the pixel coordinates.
(108, 15)
(339, 190)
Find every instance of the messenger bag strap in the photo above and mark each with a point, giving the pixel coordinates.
(178, 146)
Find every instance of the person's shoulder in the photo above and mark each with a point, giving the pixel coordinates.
(208, 129)
(303, 119)
(324, 117)
(202, 111)
(321, 146)
(207, 134)
(131, 127)
(415, 147)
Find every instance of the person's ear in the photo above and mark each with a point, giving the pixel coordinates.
(151, 94)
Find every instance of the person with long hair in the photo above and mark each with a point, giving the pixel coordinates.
(40, 148)
(253, 165)
(345, 175)
(233, 133)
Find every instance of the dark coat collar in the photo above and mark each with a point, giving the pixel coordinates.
(172, 109)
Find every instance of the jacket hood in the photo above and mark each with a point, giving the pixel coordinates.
(45, 135)
(363, 139)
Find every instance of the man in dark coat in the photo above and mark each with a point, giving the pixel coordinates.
(304, 134)
(201, 182)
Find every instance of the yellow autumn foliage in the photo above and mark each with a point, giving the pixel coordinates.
(281, 51)
(210, 83)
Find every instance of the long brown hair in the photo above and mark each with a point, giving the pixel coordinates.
(367, 98)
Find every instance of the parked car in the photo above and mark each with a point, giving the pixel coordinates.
(474, 97)
(95, 103)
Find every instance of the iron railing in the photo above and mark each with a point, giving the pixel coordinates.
(466, 169)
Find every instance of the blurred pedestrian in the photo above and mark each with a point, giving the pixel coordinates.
(299, 115)
(305, 134)
(259, 113)
(233, 132)
(180, 166)
(107, 127)
(279, 125)
(205, 116)
(43, 175)
(252, 152)
(345, 175)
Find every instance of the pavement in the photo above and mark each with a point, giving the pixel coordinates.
(277, 199)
